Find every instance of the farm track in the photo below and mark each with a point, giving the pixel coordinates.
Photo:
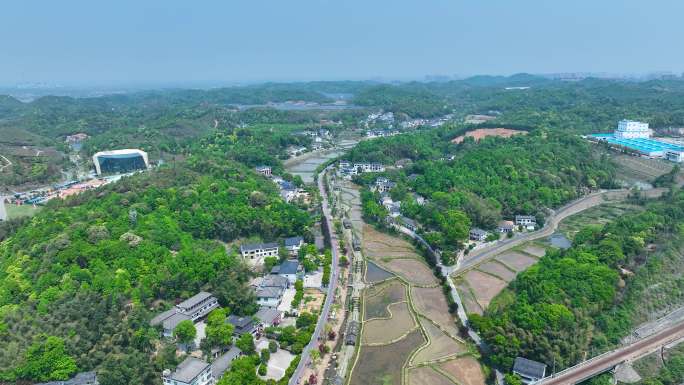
(9, 163)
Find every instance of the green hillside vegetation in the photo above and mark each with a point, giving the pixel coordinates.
(414, 101)
(485, 182)
(576, 301)
(91, 271)
(590, 105)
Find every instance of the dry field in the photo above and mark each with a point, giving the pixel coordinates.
(498, 270)
(478, 287)
(383, 331)
(632, 168)
(380, 245)
(465, 370)
(414, 271)
(536, 250)
(440, 346)
(469, 302)
(431, 303)
(516, 260)
(484, 286)
(377, 299)
(380, 365)
(427, 376)
(485, 132)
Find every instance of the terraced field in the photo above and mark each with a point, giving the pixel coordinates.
(406, 308)
(478, 287)
(407, 331)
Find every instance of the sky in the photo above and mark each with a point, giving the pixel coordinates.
(172, 41)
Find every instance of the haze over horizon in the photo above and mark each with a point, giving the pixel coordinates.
(126, 42)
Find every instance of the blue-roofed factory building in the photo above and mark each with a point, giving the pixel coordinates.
(641, 143)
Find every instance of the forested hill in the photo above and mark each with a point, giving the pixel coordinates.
(584, 299)
(590, 105)
(80, 281)
(479, 184)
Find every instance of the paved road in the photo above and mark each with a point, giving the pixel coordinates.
(3, 211)
(478, 256)
(607, 361)
(323, 318)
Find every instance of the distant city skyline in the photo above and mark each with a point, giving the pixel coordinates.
(173, 42)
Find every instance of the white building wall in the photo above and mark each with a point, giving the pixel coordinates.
(629, 129)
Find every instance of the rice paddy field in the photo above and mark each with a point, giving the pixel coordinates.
(407, 330)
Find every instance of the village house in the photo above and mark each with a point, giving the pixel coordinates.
(506, 226)
(264, 170)
(242, 325)
(293, 244)
(269, 296)
(268, 317)
(269, 291)
(259, 250)
(476, 234)
(528, 370)
(191, 309)
(383, 184)
(289, 269)
(192, 371)
(221, 364)
(394, 209)
(527, 221)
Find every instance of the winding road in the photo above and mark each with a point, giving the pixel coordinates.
(479, 256)
(323, 317)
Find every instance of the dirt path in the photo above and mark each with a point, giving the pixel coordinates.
(9, 163)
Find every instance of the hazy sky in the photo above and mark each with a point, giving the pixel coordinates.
(130, 41)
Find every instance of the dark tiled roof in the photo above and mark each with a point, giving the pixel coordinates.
(173, 321)
(188, 370)
(269, 292)
(289, 267)
(477, 232)
(242, 324)
(529, 368)
(294, 241)
(194, 300)
(267, 315)
(258, 246)
(162, 317)
(274, 281)
(222, 363)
